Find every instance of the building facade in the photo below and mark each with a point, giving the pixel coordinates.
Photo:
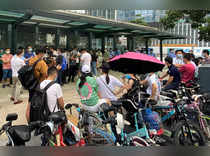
(152, 17)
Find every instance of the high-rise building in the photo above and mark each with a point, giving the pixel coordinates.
(152, 17)
(105, 13)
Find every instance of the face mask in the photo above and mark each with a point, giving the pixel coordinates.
(179, 55)
(7, 52)
(56, 78)
(30, 49)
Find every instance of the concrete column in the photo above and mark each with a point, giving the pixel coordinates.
(114, 42)
(161, 50)
(57, 38)
(146, 46)
(103, 44)
(37, 35)
(68, 39)
(128, 43)
(90, 38)
(9, 29)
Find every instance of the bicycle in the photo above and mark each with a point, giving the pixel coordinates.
(91, 127)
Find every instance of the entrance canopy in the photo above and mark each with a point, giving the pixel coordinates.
(74, 21)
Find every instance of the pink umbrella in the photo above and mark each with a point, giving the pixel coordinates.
(132, 62)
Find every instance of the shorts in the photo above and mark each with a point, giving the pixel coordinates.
(7, 73)
(95, 108)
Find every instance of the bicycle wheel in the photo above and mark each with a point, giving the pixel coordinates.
(101, 138)
(137, 141)
(96, 121)
(182, 135)
(205, 127)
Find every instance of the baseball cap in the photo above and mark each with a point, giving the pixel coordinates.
(86, 69)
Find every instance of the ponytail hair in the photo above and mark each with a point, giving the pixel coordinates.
(83, 79)
(106, 71)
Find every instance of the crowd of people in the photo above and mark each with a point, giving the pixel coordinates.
(62, 66)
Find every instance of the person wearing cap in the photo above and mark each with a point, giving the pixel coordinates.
(87, 89)
(108, 83)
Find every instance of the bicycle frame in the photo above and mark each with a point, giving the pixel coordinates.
(58, 138)
(169, 114)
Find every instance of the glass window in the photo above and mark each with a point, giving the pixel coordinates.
(3, 36)
(63, 40)
(25, 35)
(46, 36)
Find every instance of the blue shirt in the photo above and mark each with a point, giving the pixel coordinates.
(173, 71)
(28, 55)
(172, 55)
(64, 64)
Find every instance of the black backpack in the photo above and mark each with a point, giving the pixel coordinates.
(27, 77)
(39, 110)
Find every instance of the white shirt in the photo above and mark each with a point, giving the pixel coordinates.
(103, 88)
(86, 59)
(151, 80)
(16, 64)
(178, 61)
(53, 94)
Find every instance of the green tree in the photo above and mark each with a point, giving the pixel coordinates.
(197, 18)
(139, 20)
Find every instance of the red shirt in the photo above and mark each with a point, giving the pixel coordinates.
(187, 72)
(7, 58)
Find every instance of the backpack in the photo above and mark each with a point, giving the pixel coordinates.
(27, 77)
(39, 110)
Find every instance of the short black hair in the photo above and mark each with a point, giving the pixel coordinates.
(169, 60)
(40, 51)
(187, 56)
(20, 50)
(179, 50)
(52, 70)
(206, 51)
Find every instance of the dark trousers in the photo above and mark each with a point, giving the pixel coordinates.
(72, 73)
(172, 85)
(59, 80)
(64, 74)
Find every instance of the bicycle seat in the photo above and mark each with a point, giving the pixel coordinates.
(106, 108)
(58, 117)
(11, 117)
(20, 133)
(168, 94)
(116, 103)
(69, 106)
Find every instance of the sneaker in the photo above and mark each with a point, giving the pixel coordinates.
(3, 86)
(18, 102)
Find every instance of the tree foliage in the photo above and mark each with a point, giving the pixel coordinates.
(197, 18)
(139, 20)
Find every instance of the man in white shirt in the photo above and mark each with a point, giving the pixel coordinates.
(154, 86)
(54, 93)
(85, 58)
(178, 60)
(16, 63)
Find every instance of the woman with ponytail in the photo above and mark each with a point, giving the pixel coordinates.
(87, 89)
(108, 83)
